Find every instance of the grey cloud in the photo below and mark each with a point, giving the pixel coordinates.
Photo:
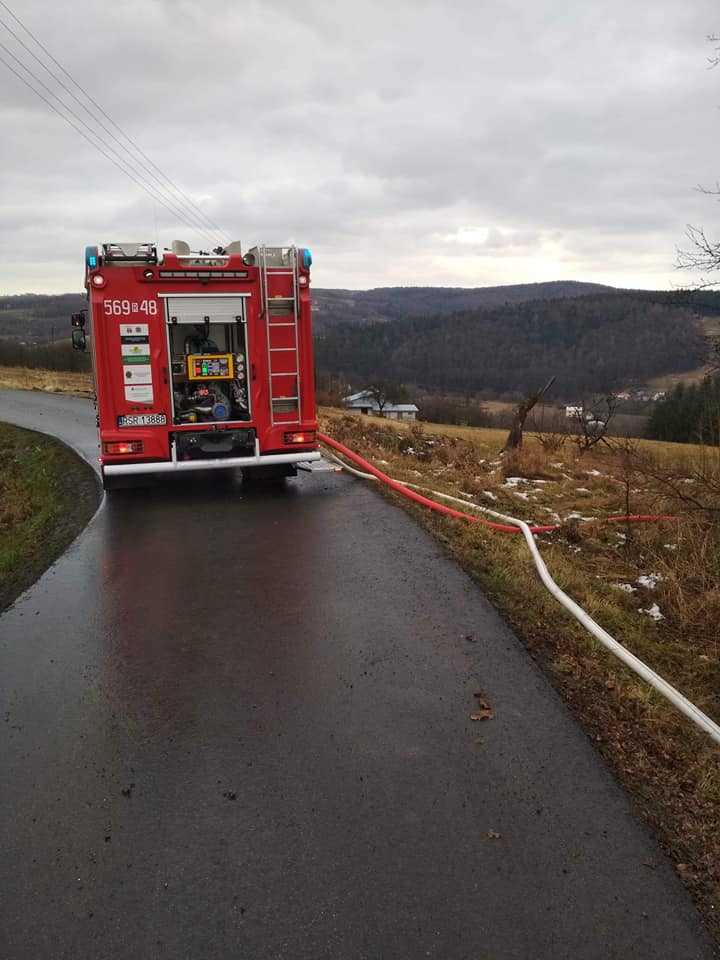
(571, 137)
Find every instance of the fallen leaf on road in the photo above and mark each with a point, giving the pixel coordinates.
(484, 710)
(492, 835)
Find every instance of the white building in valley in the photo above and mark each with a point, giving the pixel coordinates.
(364, 402)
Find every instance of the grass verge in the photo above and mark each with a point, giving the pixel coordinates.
(655, 587)
(47, 495)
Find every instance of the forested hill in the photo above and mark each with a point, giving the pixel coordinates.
(591, 343)
(31, 317)
(392, 303)
(498, 341)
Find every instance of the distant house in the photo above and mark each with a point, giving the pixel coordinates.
(364, 402)
(573, 412)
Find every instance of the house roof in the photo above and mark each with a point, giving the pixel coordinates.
(365, 399)
(356, 396)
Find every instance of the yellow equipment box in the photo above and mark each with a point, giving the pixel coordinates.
(210, 366)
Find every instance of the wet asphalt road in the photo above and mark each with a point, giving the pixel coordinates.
(237, 726)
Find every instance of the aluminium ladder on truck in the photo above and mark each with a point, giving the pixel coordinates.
(281, 312)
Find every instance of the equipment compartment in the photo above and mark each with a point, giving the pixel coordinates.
(208, 365)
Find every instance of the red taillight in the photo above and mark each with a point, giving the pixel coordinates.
(123, 446)
(305, 436)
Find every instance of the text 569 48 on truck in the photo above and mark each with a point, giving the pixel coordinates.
(201, 361)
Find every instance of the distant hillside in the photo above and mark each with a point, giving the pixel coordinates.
(31, 316)
(591, 343)
(392, 303)
(34, 317)
(494, 341)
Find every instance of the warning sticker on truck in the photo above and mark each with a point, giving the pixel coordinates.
(139, 394)
(137, 373)
(134, 330)
(135, 353)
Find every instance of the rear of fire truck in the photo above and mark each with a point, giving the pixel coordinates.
(201, 361)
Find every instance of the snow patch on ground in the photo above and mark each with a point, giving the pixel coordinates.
(653, 612)
(649, 580)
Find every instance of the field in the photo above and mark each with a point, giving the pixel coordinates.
(51, 381)
(655, 587)
(47, 495)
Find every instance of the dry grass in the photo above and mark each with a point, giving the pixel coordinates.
(492, 439)
(617, 572)
(50, 381)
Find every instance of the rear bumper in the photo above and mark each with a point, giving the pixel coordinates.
(177, 466)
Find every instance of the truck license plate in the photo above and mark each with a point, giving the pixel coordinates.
(142, 420)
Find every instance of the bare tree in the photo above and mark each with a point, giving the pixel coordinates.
(630, 465)
(379, 393)
(550, 428)
(383, 392)
(714, 60)
(515, 437)
(592, 421)
(703, 254)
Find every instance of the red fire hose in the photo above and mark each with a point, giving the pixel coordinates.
(457, 514)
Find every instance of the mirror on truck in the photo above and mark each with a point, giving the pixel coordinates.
(78, 339)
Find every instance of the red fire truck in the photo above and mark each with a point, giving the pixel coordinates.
(200, 361)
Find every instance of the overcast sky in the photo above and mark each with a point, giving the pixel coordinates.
(416, 143)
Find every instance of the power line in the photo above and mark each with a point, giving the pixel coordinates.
(129, 139)
(128, 172)
(194, 219)
(147, 185)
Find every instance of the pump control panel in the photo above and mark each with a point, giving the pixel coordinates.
(210, 366)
